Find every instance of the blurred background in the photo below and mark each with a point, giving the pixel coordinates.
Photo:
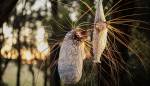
(31, 31)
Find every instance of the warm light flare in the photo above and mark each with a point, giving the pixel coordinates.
(26, 54)
(40, 34)
(29, 55)
(9, 54)
(7, 31)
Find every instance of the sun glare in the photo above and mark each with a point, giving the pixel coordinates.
(39, 52)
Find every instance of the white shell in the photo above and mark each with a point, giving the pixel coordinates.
(70, 61)
(99, 37)
(99, 43)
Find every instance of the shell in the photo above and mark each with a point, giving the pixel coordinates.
(70, 62)
(99, 43)
(99, 33)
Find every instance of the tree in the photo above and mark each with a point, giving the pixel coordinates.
(6, 7)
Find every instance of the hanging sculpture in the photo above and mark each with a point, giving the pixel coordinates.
(72, 52)
(71, 56)
(99, 33)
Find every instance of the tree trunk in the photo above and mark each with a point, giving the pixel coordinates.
(1, 43)
(33, 75)
(19, 60)
(19, 69)
(54, 75)
(6, 6)
(54, 8)
(45, 73)
(1, 80)
(5, 9)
